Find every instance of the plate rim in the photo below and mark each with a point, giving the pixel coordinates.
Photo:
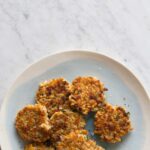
(5, 99)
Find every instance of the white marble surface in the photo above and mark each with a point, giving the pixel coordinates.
(30, 29)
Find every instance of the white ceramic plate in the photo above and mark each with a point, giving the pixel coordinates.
(124, 90)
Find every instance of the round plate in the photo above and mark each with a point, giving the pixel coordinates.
(124, 90)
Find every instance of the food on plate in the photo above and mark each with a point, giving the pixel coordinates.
(58, 120)
(36, 146)
(54, 95)
(77, 140)
(112, 123)
(87, 94)
(63, 122)
(32, 123)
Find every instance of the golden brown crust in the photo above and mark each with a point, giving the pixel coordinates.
(111, 123)
(63, 122)
(87, 94)
(54, 95)
(32, 123)
(37, 147)
(77, 140)
(51, 120)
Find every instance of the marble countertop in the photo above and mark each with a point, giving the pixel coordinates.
(30, 30)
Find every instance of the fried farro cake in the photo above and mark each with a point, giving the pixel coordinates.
(63, 122)
(112, 123)
(56, 118)
(54, 95)
(87, 94)
(77, 140)
(38, 147)
(32, 123)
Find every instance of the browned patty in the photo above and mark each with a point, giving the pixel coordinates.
(32, 123)
(77, 140)
(54, 95)
(38, 147)
(111, 123)
(63, 122)
(87, 94)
